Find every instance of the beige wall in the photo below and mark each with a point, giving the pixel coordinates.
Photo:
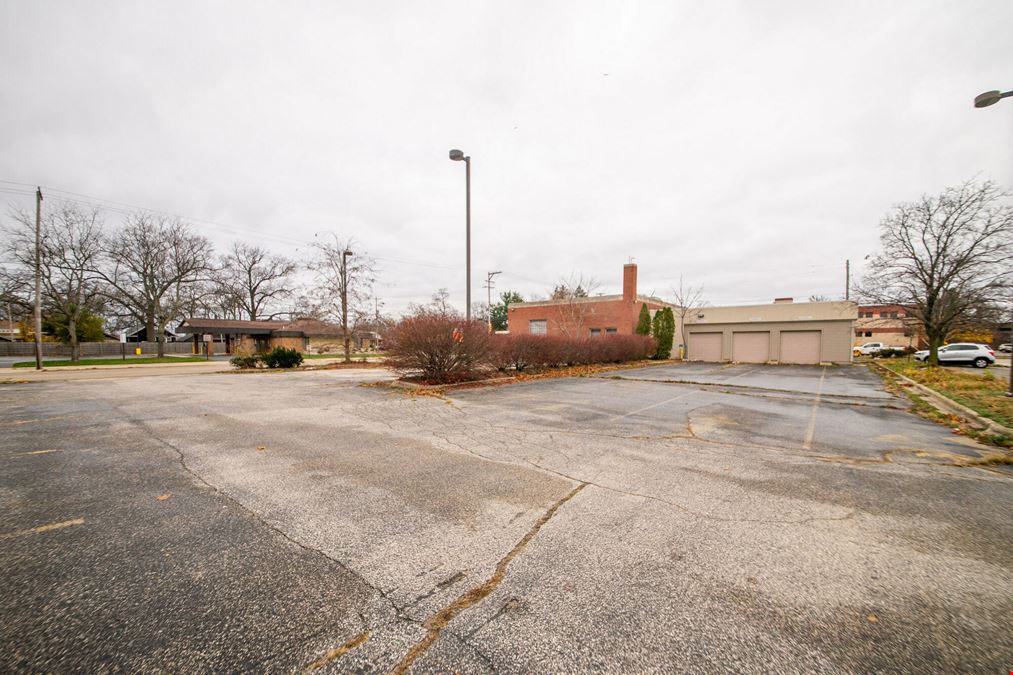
(835, 344)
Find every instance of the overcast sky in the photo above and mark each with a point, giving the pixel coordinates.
(749, 146)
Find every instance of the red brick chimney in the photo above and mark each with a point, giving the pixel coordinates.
(629, 282)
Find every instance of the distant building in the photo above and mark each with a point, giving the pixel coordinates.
(10, 331)
(892, 325)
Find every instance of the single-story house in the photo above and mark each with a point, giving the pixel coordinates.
(303, 335)
(781, 332)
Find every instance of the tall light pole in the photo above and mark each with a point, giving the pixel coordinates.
(457, 156)
(983, 101)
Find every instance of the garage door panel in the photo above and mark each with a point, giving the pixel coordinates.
(704, 347)
(751, 347)
(800, 346)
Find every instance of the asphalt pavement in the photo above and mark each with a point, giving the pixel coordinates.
(683, 518)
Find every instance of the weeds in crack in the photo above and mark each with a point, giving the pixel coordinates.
(438, 621)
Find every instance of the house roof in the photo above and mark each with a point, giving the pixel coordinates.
(296, 328)
(229, 326)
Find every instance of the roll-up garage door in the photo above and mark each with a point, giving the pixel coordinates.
(751, 347)
(704, 347)
(800, 346)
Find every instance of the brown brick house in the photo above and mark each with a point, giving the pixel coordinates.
(579, 317)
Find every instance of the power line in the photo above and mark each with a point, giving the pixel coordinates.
(122, 209)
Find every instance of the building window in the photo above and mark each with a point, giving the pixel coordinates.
(868, 333)
(595, 331)
(538, 327)
(609, 331)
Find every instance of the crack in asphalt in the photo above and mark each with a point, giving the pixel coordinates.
(438, 621)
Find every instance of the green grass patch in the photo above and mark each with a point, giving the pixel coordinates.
(113, 361)
(983, 393)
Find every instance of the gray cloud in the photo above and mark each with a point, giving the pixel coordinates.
(750, 147)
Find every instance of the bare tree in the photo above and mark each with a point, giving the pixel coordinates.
(688, 300)
(71, 248)
(149, 265)
(254, 279)
(945, 257)
(575, 304)
(344, 283)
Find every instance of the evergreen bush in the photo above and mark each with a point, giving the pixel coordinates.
(644, 322)
(663, 330)
(282, 357)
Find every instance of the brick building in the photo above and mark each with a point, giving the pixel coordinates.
(781, 332)
(890, 324)
(579, 317)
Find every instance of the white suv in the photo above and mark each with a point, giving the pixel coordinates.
(980, 356)
(869, 348)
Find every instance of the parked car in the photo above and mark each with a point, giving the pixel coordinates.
(980, 356)
(868, 348)
(1006, 347)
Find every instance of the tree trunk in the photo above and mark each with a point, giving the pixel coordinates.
(75, 348)
(935, 342)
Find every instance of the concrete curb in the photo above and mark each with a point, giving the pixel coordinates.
(415, 386)
(950, 406)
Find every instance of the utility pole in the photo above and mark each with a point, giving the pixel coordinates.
(847, 279)
(344, 304)
(38, 278)
(488, 288)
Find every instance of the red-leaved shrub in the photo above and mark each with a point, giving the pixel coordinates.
(440, 347)
(542, 351)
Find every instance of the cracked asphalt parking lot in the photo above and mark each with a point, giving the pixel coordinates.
(673, 518)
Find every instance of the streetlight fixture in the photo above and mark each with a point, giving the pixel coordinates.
(983, 101)
(990, 98)
(458, 156)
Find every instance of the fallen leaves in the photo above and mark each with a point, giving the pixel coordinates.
(162, 498)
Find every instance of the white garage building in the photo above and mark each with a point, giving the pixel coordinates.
(782, 332)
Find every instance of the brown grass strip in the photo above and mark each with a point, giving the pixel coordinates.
(437, 622)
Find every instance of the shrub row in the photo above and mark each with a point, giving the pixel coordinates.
(279, 357)
(542, 351)
(443, 348)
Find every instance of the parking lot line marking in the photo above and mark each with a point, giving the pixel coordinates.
(43, 528)
(653, 405)
(811, 431)
(36, 452)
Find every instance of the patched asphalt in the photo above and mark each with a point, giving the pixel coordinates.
(686, 517)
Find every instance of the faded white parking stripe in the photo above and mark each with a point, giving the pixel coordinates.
(811, 431)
